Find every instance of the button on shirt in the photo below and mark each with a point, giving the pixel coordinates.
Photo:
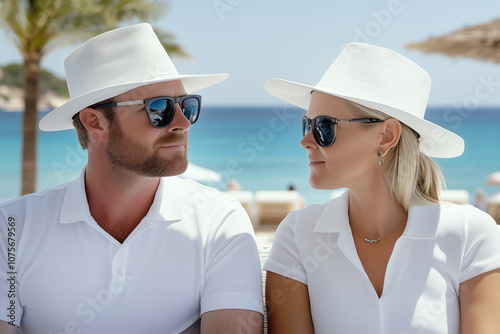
(442, 246)
(193, 252)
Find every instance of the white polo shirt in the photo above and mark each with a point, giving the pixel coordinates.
(193, 252)
(442, 246)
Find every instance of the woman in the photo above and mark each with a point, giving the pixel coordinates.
(386, 256)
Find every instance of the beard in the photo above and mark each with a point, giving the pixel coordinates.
(124, 153)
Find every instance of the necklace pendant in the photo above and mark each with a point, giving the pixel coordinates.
(382, 237)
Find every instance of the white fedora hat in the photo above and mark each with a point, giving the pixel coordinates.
(113, 63)
(381, 79)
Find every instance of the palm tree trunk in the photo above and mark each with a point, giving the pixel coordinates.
(32, 78)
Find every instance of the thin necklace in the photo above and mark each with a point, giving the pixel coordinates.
(382, 237)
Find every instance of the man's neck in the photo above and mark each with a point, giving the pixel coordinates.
(118, 200)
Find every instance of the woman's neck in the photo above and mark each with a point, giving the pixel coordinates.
(374, 212)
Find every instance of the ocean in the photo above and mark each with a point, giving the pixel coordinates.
(257, 146)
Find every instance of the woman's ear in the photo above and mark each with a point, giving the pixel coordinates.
(96, 124)
(390, 134)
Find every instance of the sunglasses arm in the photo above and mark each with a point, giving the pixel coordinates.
(127, 103)
(117, 104)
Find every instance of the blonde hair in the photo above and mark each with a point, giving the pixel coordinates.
(411, 175)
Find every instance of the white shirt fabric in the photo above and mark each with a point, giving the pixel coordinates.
(193, 252)
(442, 246)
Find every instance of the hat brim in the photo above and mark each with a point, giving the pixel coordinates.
(61, 117)
(435, 141)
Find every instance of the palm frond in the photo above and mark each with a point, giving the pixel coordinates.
(39, 26)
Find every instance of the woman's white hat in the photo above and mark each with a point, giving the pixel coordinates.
(381, 79)
(113, 63)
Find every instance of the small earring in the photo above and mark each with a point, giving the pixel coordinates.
(380, 155)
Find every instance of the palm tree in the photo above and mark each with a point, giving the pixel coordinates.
(39, 26)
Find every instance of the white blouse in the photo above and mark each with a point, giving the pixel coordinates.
(442, 246)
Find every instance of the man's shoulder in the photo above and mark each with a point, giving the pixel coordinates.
(186, 183)
(31, 209)
(189, 189)
(42, 197)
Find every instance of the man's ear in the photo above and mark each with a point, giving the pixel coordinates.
(390, 134)
(96, 124)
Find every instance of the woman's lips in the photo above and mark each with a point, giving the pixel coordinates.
(314, 162)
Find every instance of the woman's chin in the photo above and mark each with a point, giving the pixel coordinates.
(319, 184)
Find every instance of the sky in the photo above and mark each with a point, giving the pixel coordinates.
(256, 40)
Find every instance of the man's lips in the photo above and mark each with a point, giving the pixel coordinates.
(173, 146)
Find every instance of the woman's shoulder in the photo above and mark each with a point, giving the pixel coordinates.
(305, 220)
(455, 218)
(466, 214)
(310, 212)
(470, 219)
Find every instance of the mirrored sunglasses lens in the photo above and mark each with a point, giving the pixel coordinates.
(324, 131)
(191, 108)
(161, 112)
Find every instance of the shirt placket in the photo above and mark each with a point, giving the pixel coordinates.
(347, 247)
(119, 267)
(119, 261)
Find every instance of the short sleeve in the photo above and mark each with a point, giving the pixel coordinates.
(233, 277)
(482, 245)
(284, 258)
(10, 305)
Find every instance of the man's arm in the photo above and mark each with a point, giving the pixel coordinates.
(5, 328)
(231, 300)
(231, 321)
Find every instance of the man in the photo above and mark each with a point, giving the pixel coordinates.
(128, 247)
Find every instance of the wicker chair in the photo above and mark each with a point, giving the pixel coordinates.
(264, 253)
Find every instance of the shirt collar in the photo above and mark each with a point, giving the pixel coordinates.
(166, 204)
(423, 220)
(75, 207)
(334, 217)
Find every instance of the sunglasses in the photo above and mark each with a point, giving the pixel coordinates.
(161, 110)
(324, 127)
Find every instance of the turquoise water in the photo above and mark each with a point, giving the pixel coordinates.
(258, 146)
